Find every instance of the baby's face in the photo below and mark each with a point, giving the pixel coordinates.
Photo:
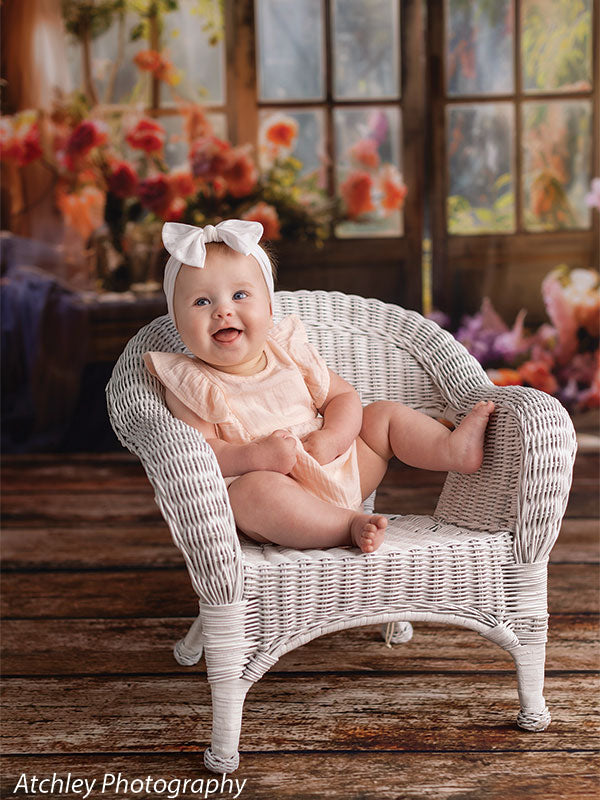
(223, 312)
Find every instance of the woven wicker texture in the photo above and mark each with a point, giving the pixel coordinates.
(480, 561)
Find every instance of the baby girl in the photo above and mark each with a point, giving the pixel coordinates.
(297, 450)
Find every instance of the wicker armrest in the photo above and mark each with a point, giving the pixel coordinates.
(182, 468)
(524, 481)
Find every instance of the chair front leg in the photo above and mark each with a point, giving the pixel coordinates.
(530, 661)
(227, 703)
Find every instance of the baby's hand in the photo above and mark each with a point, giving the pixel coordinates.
(277, 452)
(321, 446)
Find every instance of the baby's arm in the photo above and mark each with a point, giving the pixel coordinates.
(276, 452)
(342, 421)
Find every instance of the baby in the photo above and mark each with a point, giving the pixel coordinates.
(297, 450)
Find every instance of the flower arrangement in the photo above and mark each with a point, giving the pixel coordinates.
(112, 179)
(561, 358)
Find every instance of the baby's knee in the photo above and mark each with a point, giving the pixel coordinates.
(255, 485)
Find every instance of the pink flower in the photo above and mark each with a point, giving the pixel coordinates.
(146, 135)
(560, 312)
(593, 198)
(240, 173)
(364, 153)
(123, 180)
(208, 157)
(267, 216)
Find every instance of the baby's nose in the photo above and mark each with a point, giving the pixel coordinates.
(222, 309)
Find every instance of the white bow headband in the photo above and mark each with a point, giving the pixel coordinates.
(186, 244)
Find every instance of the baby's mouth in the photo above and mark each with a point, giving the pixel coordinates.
(227, 334)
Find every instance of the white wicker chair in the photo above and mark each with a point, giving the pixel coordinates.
(480, 561)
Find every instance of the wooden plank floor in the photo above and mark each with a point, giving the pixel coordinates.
(94, 595)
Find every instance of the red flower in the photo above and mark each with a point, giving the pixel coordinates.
(123, 180)
(147, 135)
(182, 183)
(240, 173)
(356, 191)
(156, 193)
(505, 377)
(20, 141)
(87, 135)
(265, 214)
(209, 157)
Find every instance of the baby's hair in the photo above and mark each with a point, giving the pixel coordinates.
(223, 249)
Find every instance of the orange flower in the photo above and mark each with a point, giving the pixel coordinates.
(195, 123)
(240, 172)
(83, 211)
(505, 377)
(394, 190)
(365, 154)
(267, 215)
(147, 60)
(282, 131)
(182, 183)
(146, 135)
(158, 64)
(356, 191)
(537, 374)
(544, 195)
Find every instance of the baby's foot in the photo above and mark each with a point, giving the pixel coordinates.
(367, 531)
(466, 442)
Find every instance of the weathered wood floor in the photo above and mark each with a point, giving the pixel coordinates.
(94, 595)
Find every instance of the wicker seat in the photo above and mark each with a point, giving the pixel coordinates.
(480, 561)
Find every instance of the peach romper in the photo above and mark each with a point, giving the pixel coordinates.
(284, 395)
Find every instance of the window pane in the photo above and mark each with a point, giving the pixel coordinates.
(130, 84)
(296, 133)
(368, 170)
(290, 49)
(556, 164)
(556, 44)
(189, 48)
(479, 47)
(366, 57)
(480, 168)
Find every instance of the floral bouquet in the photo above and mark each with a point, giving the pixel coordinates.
(561, 358)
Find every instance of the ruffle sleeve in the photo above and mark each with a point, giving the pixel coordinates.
(187, 381)
(290, 334)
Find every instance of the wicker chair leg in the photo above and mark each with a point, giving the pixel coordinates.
(396, 633)
(227, 703)
(530, 660)
(188, 651)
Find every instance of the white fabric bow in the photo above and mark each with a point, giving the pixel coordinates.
(186, 244)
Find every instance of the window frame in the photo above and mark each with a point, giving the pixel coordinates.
(458, 258)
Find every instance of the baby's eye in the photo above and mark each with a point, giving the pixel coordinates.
(201, 301)
(236, 295)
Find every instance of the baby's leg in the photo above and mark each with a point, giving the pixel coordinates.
(269, 506)
(418, 440)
